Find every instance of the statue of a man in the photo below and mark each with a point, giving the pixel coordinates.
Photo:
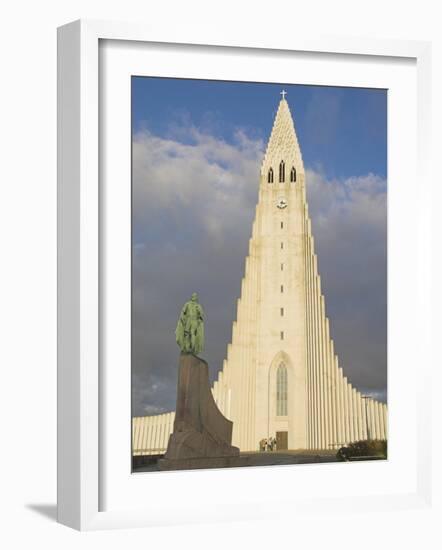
(190, 328)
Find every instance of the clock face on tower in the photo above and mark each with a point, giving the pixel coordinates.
(281, 203)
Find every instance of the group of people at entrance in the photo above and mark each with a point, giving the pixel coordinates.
(267, 444)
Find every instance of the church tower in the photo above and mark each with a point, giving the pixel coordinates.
(281, 377)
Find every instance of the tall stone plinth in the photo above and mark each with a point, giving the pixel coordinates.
(200, 430)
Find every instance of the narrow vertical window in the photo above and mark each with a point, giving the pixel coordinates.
(281, 171)
(270, 176)
(293, 175)
(282, 288)
(282, 335)
(281, 390)
(282, 246)
(282, 225)
(282, 267)
(282, 312)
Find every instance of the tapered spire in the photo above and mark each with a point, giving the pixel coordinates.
(283, 143)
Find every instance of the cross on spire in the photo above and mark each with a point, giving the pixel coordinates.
(283, 93)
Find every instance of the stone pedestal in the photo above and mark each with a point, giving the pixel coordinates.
(200, 430)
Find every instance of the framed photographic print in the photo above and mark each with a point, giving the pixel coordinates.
(232, 266)
(210, 196)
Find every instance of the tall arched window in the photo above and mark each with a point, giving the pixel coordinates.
(281, 390)
(270, 176)
(293, 174)
(281, 171)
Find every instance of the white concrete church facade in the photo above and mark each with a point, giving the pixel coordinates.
(281, 377)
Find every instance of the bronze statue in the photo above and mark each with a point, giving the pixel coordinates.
(190, 328)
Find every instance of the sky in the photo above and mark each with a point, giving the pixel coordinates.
(197, 147)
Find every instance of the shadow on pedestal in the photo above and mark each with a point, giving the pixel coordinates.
(201, 433)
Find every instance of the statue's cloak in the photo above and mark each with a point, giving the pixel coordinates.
(190, 328)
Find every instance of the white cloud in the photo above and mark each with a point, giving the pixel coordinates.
(208, 176)
(360, 201)
(153, 409)
(380, 395)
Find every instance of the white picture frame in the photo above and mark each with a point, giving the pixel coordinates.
(80, 394)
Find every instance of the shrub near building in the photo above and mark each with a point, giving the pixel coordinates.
(373, 449)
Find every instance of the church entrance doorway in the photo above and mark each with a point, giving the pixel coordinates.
(282, 441)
